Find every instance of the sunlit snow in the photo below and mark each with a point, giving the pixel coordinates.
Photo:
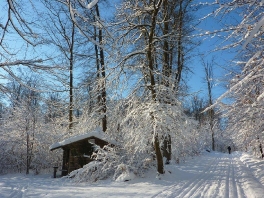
(98, 133)
(209, 175)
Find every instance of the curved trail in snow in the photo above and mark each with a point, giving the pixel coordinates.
(219, 175)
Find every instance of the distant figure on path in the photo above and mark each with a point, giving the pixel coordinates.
(229, 149)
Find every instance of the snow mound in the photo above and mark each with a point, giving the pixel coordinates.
(126, 176)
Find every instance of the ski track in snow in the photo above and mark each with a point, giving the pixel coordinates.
(220, 176)
(212, 175)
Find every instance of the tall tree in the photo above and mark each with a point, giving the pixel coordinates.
(150, 31)
(209, 80)
(62, 34)
(101, 69)
(87, 19)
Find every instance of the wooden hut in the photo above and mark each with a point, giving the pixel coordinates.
(77, 150)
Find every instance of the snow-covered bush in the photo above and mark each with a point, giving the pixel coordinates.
(123, 173)
(106, 164)
(143, 120)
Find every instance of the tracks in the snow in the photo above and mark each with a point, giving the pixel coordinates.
(221, 175)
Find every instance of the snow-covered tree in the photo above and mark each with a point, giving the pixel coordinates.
(24, 135)
(150, 33)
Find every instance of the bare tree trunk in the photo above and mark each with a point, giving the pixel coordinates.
(166, 70)
(71, 79)
(260, 149)
(166, 75)
(98, 67)
(160, 166)
(150, 57)
(27, 161)
(180, 50)
(167, 148)
(103, 75)
(208, 77)
(213, 140)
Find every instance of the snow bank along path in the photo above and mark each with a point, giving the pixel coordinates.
(210, 175)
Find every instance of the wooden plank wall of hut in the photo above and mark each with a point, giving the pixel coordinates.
(65, 161)
(77, 151)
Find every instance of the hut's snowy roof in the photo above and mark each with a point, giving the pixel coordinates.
(97, 133)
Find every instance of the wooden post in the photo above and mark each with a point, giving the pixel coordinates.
(55, 170)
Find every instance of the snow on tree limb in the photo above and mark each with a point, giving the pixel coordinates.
(260, 97)
(254, 32)
(74, 13)
(21, 62)
(92, 4)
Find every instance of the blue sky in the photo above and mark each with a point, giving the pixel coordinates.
(222, 58)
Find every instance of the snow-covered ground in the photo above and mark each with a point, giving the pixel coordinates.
(209, 175)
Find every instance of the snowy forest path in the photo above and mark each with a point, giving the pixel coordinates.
(218, 175)
(209, 175)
